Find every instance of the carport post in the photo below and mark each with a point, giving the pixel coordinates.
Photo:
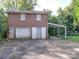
(65, 32)
(54, 31)
(58, 31)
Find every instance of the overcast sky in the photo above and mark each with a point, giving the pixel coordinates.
(52, 5)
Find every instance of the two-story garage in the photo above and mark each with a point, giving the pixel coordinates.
(28, 24)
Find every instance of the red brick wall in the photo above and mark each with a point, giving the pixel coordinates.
(14, 20)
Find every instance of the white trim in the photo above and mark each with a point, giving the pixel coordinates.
(56, 25)
(38, 17)
(22, 17)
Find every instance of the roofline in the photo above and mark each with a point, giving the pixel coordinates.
(30, 12)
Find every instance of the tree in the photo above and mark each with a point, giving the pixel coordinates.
(18, 4)
(3, 24)
(69, 24)
(75, 4)
(61, 16)
(51, 18)
(65, 17)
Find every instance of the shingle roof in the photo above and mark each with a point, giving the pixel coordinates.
(30, 12)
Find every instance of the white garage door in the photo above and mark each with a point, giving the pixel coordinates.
(43, 32)
(38, 32)
(22, 32)
(34, 33)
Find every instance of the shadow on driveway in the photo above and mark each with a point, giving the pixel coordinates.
(40, 49)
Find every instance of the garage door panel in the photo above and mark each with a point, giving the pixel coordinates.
(43, 32)
(34, 33)
(39, 32)
(22, 32)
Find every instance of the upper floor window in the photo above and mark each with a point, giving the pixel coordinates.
(38, 17)
(22, 17)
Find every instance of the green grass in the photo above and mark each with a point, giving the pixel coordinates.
(1, 50)
(73, 38)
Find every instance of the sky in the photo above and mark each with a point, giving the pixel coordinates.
(52, 5)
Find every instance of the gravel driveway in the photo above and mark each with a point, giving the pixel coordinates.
(53, 48)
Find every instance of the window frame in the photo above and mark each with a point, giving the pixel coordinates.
(38, 17)
(22, 17)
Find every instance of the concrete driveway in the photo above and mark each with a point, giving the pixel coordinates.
(53, 48)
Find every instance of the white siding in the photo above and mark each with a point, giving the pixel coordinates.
(34, 33)
(22, 32)
(43, 32)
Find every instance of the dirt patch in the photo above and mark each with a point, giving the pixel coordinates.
(54, 48)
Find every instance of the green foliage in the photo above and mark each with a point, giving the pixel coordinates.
(3, 24)
(75, 4)
(18, 4)
(70, 25)
(64, 17)
(73, 38)
(26, 4)
(52, 19)
(52, 32)
(60, 16)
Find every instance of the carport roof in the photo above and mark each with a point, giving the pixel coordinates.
(52, 25)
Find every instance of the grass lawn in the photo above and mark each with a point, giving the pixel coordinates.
(73, 38)
(1, 50)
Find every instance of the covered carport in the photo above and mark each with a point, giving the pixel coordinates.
(58, 26)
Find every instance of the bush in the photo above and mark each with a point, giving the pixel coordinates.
(3, 24)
